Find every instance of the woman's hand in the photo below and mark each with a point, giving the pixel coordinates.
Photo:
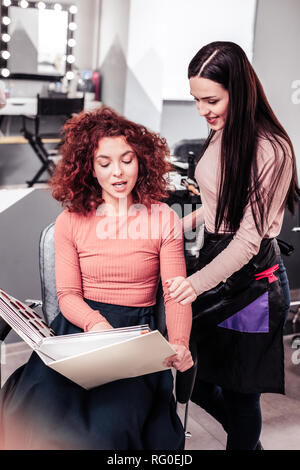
(101, 326)
(181, 290)
(182, 360)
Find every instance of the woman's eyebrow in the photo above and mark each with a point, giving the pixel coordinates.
(121, 156)
(102, 156)
(204, 97)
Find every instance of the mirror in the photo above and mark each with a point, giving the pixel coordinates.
(40, 40)
(31, 49)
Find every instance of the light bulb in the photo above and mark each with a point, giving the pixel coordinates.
(70, 75)
(71, 42)
(5, 55)
(73, 9)
(6, 20)
(70, 59)
(41, 5)
(5, 37)
(7, 3)
(5, 72)
(57, 7)
(72, 26)
(23, 3)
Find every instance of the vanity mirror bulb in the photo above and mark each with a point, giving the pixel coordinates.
(5, 73)
(70, 59)
(5, 37)
(5, 55)
(72, 26)
(24, 3)
(70, 75)
(6, 20)
(41, 5)
(7, 3)
(73, 9)
(57, 7)
(71, 42)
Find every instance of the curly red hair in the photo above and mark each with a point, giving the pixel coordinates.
(73, 183)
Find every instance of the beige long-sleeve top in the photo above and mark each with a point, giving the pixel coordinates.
(246, 241)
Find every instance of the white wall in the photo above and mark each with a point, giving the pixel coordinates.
(164, 36)
(144, 80)
(113, 51)
(276, 61)
(114, 23)
(194, 23)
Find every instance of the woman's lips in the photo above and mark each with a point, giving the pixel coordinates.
(212, 120)
(119, 187)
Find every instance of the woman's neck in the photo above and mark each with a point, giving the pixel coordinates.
(119, 207)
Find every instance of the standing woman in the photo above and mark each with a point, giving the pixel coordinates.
(247, 176)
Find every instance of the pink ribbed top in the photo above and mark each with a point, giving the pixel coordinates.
(118, 260)
(246, 241)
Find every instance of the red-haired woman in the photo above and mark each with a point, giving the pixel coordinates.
(113, 241)
(247, 176)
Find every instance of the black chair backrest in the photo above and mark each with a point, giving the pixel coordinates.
(54, 106)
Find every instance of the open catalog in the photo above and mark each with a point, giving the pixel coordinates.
(93, 358)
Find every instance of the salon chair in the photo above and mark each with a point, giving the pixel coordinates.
(184, 382)
(61, 107)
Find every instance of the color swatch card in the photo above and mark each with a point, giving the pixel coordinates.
(24, 320)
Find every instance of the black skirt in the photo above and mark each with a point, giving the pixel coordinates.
(41, 409)
(238, 325)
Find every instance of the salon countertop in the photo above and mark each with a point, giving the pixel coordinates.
(24, 105)
(17, 106)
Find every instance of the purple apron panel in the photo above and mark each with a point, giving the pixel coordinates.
(252, 319)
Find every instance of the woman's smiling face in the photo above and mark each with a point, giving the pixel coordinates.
(211, 101)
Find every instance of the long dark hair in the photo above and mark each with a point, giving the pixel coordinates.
(249, 117)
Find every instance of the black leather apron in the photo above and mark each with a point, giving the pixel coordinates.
(238, 325)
